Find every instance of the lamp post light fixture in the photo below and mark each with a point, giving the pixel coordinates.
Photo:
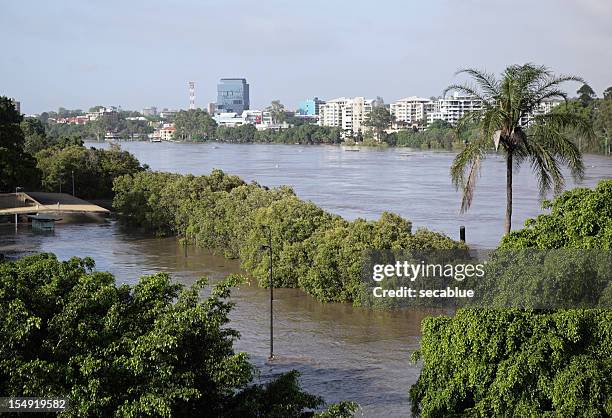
(268, 247)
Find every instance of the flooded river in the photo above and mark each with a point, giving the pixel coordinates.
(414, 184)
(341, 351)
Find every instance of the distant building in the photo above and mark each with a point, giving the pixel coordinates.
(167, 113)
(233, 95)
(262, 120)
(149, 111)
(310, 107)
(415, 111)
(229, 119)
(166, 133)
(17, 105)
(110, 113)
(212, 108)
(411, 111)
(346, 113)
(453, 108)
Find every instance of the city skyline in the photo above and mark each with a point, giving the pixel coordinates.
(136, 57)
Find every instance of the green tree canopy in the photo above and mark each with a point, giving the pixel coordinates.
(277, 111)
(17, 167)
(578, 218)
(379, 119)
(152, 349)
(194, 125)
(586, 95)
(93, 169)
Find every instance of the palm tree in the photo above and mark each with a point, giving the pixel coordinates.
(506, 102)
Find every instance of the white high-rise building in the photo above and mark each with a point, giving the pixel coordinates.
(453, 108)
(330, 113)
(412, 111)
(346, 113)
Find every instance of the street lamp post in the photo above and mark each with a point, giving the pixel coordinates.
(72, 172)
(17, 190)
(271, 284)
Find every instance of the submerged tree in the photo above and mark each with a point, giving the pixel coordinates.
(379, 119)
(506, 103)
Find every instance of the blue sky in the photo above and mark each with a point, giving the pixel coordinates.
(135, 54)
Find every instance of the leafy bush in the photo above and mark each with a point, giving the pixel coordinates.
(515, 363)
(578, 218)
(94, 169)
(314, 250)
(153, 349)
(485, 362)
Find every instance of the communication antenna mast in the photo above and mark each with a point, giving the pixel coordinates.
(192, 95)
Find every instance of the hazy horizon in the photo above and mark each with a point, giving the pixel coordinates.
(139, 54)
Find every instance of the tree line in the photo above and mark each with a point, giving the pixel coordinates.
(314, 250)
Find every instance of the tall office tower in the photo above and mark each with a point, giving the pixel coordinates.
(233, 95)
(191, 95)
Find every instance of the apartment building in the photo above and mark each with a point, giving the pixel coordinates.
(166, 133)
(453, 108)
(412, 111)
(346, 113)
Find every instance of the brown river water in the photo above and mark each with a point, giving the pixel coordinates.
(342, 352)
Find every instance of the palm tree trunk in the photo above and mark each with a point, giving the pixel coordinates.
(508, 225)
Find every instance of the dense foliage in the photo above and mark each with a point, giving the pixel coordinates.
(153, 349)
(516, 363)
(578, 218)
(439, 135)
(93, 169)
(194, 125)
(302, 134)
(313, 250)
(17, 167)
(511, 362)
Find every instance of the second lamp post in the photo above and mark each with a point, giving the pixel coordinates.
(267, 229)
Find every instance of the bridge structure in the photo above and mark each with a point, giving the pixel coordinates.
(35, 203)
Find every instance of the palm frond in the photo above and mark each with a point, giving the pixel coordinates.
(548, 148)
(468, 90)
(486, 81)
(466, 169)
